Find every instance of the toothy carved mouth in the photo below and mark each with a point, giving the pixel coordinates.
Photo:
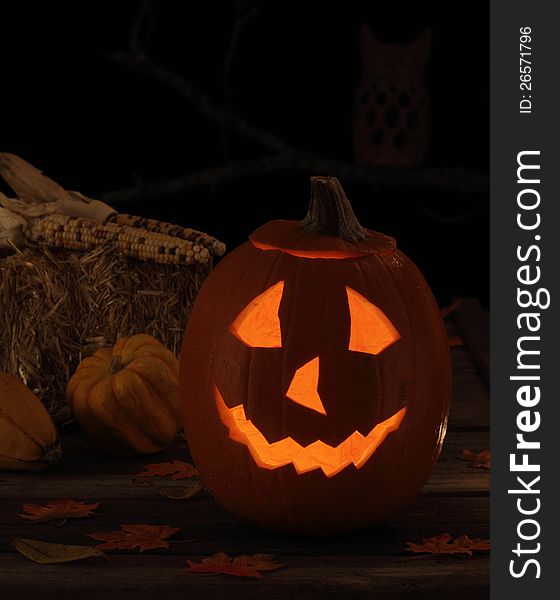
(356, 449)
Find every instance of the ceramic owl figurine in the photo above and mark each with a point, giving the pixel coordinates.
(392, 106)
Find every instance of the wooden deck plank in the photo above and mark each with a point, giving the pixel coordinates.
(204, 512)
(470, 398)
(473, 325)
(206, 528)
(304, 577)
(389, 541)
(451, 475)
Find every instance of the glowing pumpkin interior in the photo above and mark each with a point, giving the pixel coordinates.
(258, 326)
(300, 253)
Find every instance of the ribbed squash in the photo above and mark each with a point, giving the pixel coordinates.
(127, 397)
(28, 437)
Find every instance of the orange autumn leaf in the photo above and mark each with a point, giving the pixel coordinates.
(56, 510)
(463, 541)
(480, 460)
(222, 563)
(129, 537)
(456, 341)
(239, 566)
(177, 469)
(444, 544)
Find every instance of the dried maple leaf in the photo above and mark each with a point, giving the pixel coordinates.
(58, 509)
(143, 537)
(48, 554)
(239, 566)
(443, 544)
(173, 492)
(177, 469)
(463, 541)
(456, 341)
(438, 544)
(479, 460)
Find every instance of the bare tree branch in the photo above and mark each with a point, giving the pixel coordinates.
(245, 10)
(207, 177)
(284, 156)
(453, 179)
(145, 66)
(456, 218)
(145, 11)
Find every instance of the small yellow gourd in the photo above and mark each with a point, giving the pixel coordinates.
(28, 438)
(127, 397)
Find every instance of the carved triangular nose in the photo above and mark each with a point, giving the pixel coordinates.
(304, 387)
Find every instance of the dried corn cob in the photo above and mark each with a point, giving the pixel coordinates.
(198, 238)
(62, 231)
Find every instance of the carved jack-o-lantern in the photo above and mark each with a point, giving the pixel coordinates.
(315, 374)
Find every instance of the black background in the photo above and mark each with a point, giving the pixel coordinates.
(94, 126)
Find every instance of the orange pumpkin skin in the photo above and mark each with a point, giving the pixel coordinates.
(357, 389)
(127, 397)
(28, 438)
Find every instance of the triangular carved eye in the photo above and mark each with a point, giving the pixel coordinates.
(258, 324)
(370, 329)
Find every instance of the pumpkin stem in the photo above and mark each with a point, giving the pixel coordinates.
(116, 364)
(330, 212)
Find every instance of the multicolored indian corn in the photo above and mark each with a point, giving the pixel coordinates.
(75, 233)
(199, 238)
